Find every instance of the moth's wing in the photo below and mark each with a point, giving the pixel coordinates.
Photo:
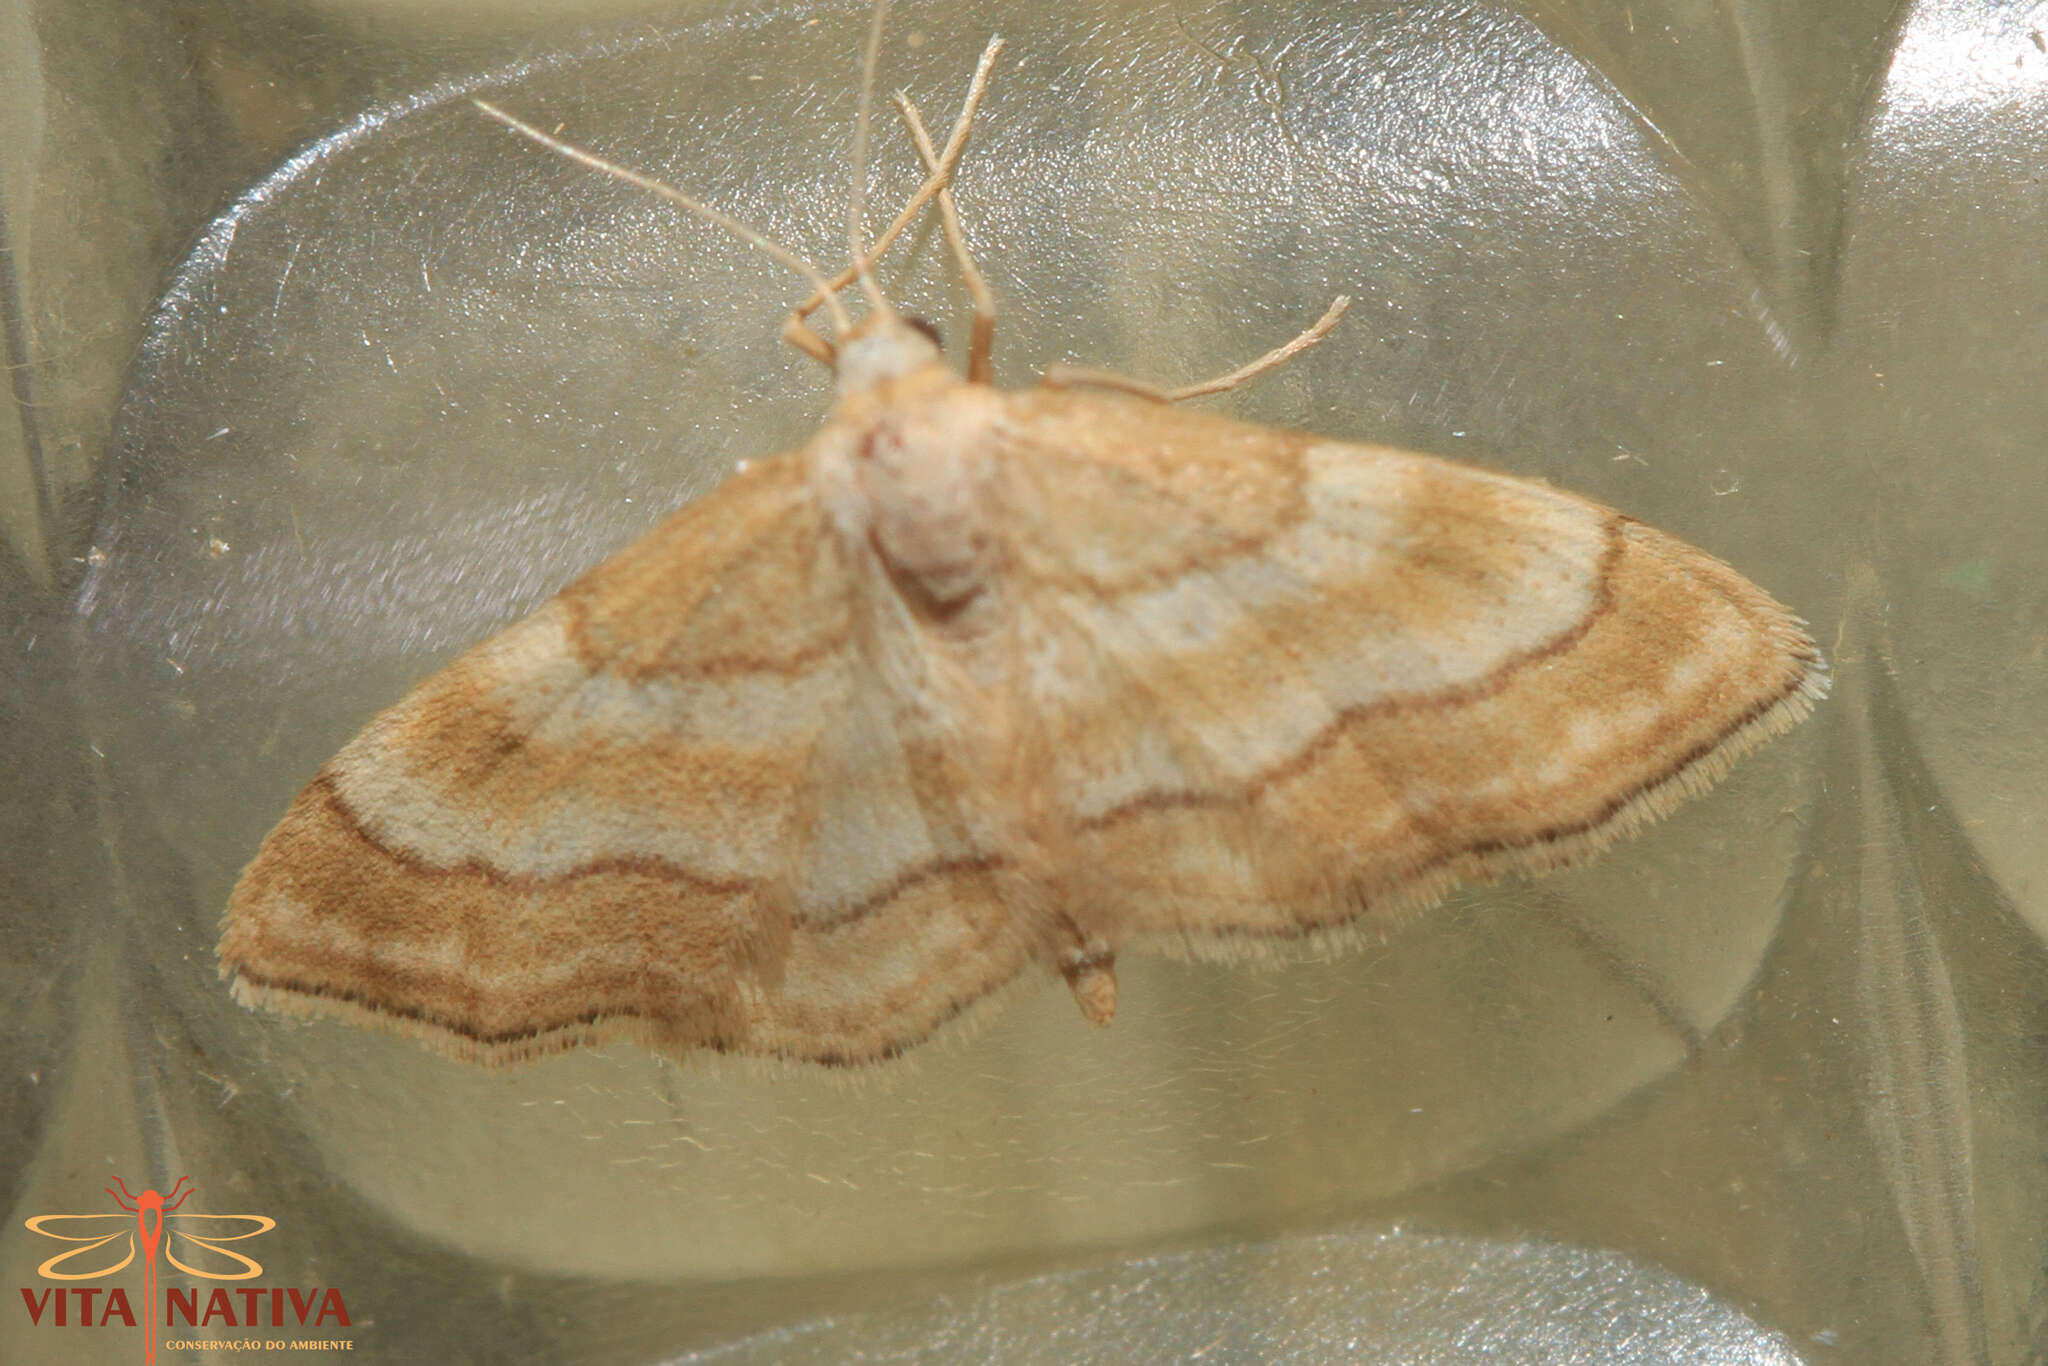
(906, 904)
(649, 810)
(1293, 682)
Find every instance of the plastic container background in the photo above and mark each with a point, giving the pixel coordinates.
(317, 376)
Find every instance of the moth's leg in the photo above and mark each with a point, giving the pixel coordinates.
(799, 334)
(795, 330)
(1066, 376)
(981, 348)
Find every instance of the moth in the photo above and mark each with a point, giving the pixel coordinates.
(980, 684)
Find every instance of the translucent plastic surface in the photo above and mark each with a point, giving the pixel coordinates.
(1769, 1074)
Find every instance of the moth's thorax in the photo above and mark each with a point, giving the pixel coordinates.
(902, 467)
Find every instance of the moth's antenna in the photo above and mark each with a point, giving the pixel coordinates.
(856, 230)
(793, 329)
(841, 322)
(981, 347)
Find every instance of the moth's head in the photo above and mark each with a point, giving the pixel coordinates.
(881, 347)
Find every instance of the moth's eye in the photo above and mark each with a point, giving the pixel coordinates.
(929, 329)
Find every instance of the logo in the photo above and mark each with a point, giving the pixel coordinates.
(104, 1245)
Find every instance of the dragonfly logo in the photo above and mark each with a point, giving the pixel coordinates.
(157, 1227)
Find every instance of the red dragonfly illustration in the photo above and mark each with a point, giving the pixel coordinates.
(151, 1210)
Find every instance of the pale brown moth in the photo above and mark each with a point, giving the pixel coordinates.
(982, 682)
